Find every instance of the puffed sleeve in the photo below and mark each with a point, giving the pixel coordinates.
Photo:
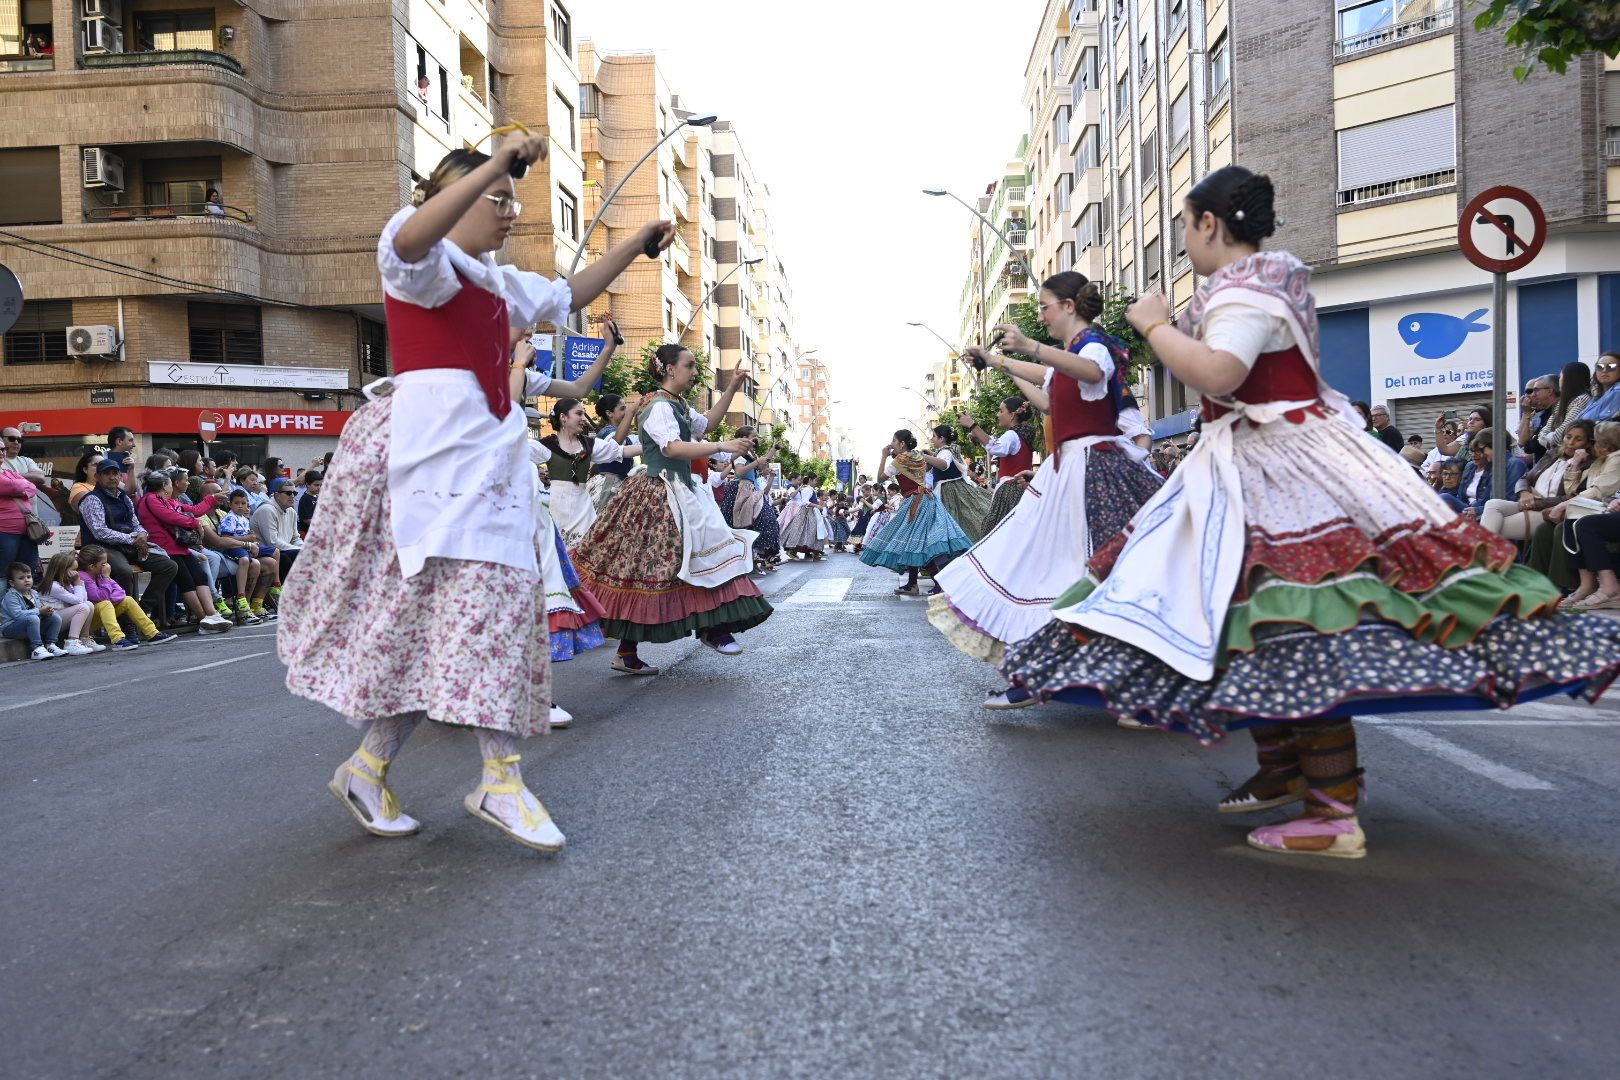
(699, 422)
(1098, 354)
(534, 298)
(535, 383)
(660, 424)
(539, 452)
(1005, 445)
(604, 451)
(429, 282)
(1240, 330)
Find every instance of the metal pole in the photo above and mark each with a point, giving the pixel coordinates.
(1499, 447)
(597, 220)
(984, 315)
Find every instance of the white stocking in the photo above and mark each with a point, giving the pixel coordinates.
(383, 739)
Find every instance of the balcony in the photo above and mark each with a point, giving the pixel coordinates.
(159, 58)
(168, 212)
(1396, 32)
(681, 255)
(1389, 189)
(679, 198)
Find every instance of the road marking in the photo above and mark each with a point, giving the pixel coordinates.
(830, 590)
(54, 697)
(1467, 759)
(218, 663)
(1488, 721)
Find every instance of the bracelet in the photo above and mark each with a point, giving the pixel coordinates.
(1152, 327)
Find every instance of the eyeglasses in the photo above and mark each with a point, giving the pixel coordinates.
(505, 205)
(1608, 367)
(11, 438)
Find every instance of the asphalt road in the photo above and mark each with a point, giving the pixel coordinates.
(819, 859)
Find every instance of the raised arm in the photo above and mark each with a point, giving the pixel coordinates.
(590, 282)
(1071, 364)
(723, 404)
(439, 214)
(578, 388)
(1028, 376)
(1209, 371)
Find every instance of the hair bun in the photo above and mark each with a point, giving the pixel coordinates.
(1089, 304)
(1250, 214)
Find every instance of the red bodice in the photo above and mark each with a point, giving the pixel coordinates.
(470, 333)
(1016, 462)
(908, 486)
(1276, 376)
(1075, 418)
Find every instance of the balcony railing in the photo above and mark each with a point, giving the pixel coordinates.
(1611, 149)
(1384, 35)
(27, 63)
(164, 212)
(1015, 194)
(1017, 236)
(162, 57)
(1391, 188)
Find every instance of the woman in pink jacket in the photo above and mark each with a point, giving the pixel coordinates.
(163, 517)
(16, 499)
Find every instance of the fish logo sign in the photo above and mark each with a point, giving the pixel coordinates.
(1435, 337)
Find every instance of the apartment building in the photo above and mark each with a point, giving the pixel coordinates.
(155, 303)
(815, 438)
(1395, 113)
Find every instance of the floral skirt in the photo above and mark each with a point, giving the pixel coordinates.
(802, 531)
(928, 540)
(464, 642)
(1360, 592)
(1003, 502)
(631, 562)
(968, 503)
(602, 487)
(1002, 590)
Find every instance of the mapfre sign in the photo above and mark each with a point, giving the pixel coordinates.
(259, 422)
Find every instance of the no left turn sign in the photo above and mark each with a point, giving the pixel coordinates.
(1502, 229)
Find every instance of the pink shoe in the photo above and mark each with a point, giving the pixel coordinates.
(1338, 837)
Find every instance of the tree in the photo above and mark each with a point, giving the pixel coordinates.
(1554, 32)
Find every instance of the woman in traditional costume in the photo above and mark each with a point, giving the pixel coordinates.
(1014, 451)
(1001, 592)
(416, 592)
(1292, 573)
(744, 504)
(963, 499)
(618, 416)
(574, 450)
(803, 526)
(662, 560)
(921, 534)
(572, 614)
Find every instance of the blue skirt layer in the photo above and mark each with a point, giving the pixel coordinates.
(931, 539)
(567, 643)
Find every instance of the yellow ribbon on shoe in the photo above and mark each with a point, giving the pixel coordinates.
(390, 805)
(511, 785)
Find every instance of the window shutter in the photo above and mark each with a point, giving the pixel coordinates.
(1398, 148)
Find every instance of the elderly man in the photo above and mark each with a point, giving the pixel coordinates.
(1540, 398)
(1387, 433)
(275, 523)
(109, 519)
(14, 460)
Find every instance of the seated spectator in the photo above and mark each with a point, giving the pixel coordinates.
(1478, 419)
(165, 518)
(276, 525)
(313, 480)
(1535, 411)
(251, 481)
(1605, 392)
(1555, 478)
(84, 477)
(27, 616)
(253, 575)
(111, 602)
(1388, 433)
(1445, 476)
(1590, 559)
(1413, 451)
(1574, 395)
(63, 588)
(1475, 490)
(110, 521)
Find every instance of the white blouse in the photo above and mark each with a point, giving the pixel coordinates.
(1004, 445)
(664, 428)
(460, 478)
(1131, 422)
(1245, 332)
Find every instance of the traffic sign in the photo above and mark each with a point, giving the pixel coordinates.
(208, 424)
(11, 299)
(1502, 229)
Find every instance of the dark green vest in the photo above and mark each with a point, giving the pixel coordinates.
(657, 463)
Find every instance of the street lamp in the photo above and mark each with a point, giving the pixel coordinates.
(691, 121)
(937, 334)
(1028, 273)
(722, 281)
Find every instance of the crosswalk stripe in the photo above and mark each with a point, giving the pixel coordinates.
(830, 590)
(1467, 759)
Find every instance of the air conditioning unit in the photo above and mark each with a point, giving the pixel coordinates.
(103, 9)
(101, 36)
(93, 342)
(103, 169)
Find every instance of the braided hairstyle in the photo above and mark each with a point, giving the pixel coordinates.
(452, 167)
(1073, 285)
(1024, 414)
(1242, 200)
(663, 359)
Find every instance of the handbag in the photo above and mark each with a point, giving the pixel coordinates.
(37, 531)
(186, 538)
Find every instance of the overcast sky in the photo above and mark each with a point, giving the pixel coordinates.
(847, 111)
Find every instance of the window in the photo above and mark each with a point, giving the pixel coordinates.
(170, 30)
(444, 96)
(1178, 19)
(1151, 269)
(1178, 239)
(1611, 113)
(1367, 24)
(26, 31)
(1065, 191)
(590, 101)
(1144, 57)
(181, 183)
(1060, 126)
(1122, 97)
(562, 28)
(225, 333)
(1085, 78)
(32, 180)
(1220, 65)
(1066, 256)
(1057, 58)
(1180, 118)
(1399, 155)
(1088, 155)
(373, 348)
(1150, 157)
(562, 119)
(567, 213)
(1124, 200)
(1085, 233)
(40, 335)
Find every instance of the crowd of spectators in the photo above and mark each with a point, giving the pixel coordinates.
(179, 541)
